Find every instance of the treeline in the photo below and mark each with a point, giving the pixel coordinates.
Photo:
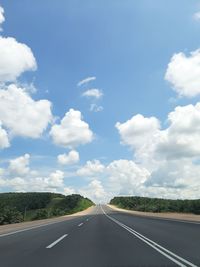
(18, 207)
(157, 204)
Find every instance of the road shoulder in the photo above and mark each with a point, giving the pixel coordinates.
(174, 216)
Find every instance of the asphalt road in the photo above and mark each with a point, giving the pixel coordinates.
(105, 238)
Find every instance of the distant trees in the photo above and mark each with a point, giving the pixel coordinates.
(16, 207)
(29, 201)
(10, 215)
(157, 204)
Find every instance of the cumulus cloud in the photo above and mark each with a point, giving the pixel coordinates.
(183, 72)
(91, 168)
(169, 155)
(4, 141)
(21, 115)
(26, 182)
(69, 191)
(20, 165)
(95, 191)
(2, 171)
(86, 81)
(181, 139)
(55, 180)
(120, 177)
(95, 108)
(94, 93)
(176, 179)
(138, 129)
(2, 18)
(72, 130)
(196, 16)
(141, 134)
(16, 58)
(126, 177)
(68, 159)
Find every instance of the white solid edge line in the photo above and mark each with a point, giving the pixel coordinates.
(171, 220)
(27, 229)
(58, 240)
(152, 243)
(80, 224)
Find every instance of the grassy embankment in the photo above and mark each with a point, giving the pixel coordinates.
(18, 207)
(157, 204)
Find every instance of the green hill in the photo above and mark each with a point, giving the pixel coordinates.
(157, 204)
(18, 207)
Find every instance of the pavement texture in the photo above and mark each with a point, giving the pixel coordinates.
(103, 237)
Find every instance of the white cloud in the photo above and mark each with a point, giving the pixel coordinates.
(18, 184)
(86, 81)
(2, 18)
(21, 115)
(141, 134)
(126, 177)
(138, 129)
(196, 16)
(184, 73)
(182, 138)
(4, 141)
(2, 171)
(175, 179)
(68, 159)
(170, 156)
(16, 58)
(91, 168)
(94, 191)
(55, 180)
(95, 108)
(20, 165)
(69, 191)
(72, 131)
(94, 93)
(25, 182)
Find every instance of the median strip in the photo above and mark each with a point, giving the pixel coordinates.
(57, 241)
(165, 252)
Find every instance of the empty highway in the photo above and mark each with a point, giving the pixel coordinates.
(104, 238)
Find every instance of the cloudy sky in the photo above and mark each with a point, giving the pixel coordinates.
(100, 98)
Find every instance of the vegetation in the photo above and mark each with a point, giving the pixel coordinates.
(157, 204)
(18, 207)
(10, 215)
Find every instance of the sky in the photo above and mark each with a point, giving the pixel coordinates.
(100, 98)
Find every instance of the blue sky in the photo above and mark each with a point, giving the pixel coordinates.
(127, 46)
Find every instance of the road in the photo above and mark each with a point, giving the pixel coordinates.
(104, 238)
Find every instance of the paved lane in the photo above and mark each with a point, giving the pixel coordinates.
(102, 240)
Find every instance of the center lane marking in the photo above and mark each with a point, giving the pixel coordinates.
(80, 224)
(58, 240)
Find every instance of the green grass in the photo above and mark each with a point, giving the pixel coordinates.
(82, 205)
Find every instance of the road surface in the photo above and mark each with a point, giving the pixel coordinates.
(104, 238)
